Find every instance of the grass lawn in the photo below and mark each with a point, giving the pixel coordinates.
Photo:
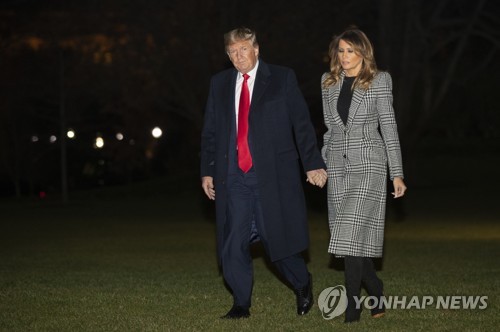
(118, 263)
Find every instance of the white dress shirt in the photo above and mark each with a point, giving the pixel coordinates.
(239, 82)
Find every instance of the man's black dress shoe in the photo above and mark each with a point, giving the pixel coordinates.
(304, 298)
(237, 312)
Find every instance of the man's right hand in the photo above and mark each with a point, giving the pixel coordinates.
(207, 183)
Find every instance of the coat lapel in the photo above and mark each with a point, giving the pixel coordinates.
(260, 85)
(230, 92)
(357, 97)
(333, 102)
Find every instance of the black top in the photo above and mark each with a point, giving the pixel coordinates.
(345, 97)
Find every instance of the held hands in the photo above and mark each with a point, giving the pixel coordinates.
(207, 183)
(317, 177)
(399, 187)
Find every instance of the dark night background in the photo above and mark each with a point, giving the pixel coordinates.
(117, 66)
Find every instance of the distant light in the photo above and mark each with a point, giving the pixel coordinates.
(119, 136)
(34, 42)
(70, 133)
(52, 139)
(132, 142)
(42, 194)
(156, 132)
(34, 139)
(99, 143)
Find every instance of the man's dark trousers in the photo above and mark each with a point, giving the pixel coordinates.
(244, 225)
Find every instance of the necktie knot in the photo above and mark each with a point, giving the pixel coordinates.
(246, 77)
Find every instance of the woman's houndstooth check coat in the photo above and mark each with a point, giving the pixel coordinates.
(356, 155)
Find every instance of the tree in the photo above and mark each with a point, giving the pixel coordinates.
(435, 40)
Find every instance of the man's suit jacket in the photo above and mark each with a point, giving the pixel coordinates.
(280, 134)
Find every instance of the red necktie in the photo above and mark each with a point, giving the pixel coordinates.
(244, 157)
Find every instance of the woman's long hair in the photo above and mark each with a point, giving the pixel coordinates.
(362, 47)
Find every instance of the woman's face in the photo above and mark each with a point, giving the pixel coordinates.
(350, 61)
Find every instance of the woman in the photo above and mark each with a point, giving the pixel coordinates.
(360, 142)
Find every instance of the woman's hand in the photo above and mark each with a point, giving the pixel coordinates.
(399, 187)
(317, 177)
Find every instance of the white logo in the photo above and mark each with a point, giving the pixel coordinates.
(332, 302)
(416, 302)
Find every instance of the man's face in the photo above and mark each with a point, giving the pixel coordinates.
(243, 55)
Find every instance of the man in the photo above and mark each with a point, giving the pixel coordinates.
(256, 127)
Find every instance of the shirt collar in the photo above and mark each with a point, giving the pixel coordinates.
(252, 73)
